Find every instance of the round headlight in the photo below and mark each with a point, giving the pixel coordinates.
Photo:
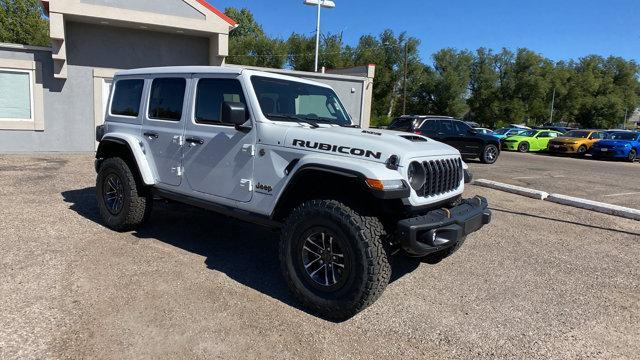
(417, 175)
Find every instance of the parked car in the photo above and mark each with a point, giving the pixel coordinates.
(575, 142)
(282, 152)
(618, 144)
(506, 132)
(458, 134)
(562, 129)
(484, 131)
(530, 140)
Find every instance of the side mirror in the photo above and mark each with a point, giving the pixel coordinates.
(233, 113)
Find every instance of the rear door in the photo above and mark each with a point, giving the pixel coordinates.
(542, 140)
(163, 126)
(465, 140)
(446, 133)
(218, 157)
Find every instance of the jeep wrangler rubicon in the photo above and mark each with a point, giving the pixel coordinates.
(282, 152)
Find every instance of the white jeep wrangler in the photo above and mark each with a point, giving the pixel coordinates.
(282, 152)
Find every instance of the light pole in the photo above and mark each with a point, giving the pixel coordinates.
(320, 4)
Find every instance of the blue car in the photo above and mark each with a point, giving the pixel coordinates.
(618, 144)
(506, 132)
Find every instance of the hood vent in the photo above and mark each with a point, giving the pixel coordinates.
(414, 138)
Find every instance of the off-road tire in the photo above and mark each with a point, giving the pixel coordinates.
(633, 154)
(442, 254)
(523, 147)
(364, 236)
(484, 156)
(582, 150)
(136, 201)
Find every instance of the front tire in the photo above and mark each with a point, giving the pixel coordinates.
(122, 201)
(523, 147)
(489, 154)
(334, 259)
(582, 150)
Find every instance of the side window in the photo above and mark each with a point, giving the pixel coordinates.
(596, 135)
(211, 93)
(461, 128)
(445, 126)
(544, 134)
(553, 135)
(167, 98)
(430, 126)
(126, 97)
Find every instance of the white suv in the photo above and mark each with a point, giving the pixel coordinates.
(282, 152)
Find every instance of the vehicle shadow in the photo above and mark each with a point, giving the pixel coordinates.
(245, 252)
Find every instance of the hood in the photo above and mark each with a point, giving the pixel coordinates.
(517, 137)
(568, 139)
(613, 143)
(366, 144)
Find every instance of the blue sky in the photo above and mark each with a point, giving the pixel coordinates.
(558, 29)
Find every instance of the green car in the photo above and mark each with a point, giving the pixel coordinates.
(530, 140)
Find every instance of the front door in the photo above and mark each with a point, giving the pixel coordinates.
(163, 127)
(218, 158)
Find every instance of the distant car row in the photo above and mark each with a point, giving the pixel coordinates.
(486, 144)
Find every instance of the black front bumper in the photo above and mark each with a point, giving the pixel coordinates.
(443, 228)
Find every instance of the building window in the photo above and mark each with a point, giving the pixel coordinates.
(126, 98)
(167, 99)
(210, 95)
(16, 95)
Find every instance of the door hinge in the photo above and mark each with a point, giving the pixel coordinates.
(246, 184)
(249, 149)
(178, 170)
(178, 139)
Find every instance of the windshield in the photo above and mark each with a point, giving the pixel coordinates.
(502, 131)
(622, 136)
(577, 134)
(285, 100)
(529, 133)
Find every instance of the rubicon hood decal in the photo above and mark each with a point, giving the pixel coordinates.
(342, 149)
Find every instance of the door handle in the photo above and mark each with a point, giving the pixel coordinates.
(151, 135)
(194, 141)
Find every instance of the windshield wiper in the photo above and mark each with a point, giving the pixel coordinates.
(295, 118)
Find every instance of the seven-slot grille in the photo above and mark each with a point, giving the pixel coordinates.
(442, 176)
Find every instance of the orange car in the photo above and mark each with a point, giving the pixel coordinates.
(575, 142)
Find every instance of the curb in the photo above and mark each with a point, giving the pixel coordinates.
(605, 208)
(534, 194)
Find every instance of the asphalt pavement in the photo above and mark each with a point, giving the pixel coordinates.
(613, 182)
(541, 281)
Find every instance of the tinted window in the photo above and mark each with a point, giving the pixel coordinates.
(460, 127)
(167, 98)
(596, 136)
(446, 126)
(430, 126)
(402, 124)
(126, 97)
(210, 95)
(544, 134)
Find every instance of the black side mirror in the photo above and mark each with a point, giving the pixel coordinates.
(233, 113)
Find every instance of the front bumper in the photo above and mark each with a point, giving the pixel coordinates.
(562, 148)
(610, 152)
(443, 228)
(511, 146)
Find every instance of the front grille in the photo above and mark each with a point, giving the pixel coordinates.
(442, 176)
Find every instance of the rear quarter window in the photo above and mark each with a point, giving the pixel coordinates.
(126, 97)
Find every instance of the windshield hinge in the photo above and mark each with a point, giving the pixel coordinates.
(250, 149)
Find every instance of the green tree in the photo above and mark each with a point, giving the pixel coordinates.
(483, 86)
(248, 44)
(451, 77)
(23, 22)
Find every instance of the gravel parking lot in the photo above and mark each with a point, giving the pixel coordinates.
(541, 281)
(613, 182)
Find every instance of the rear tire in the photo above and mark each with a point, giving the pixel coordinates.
(489, 154)
(523, 147)
(633, 154)
(334, 259)
(124, 204)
